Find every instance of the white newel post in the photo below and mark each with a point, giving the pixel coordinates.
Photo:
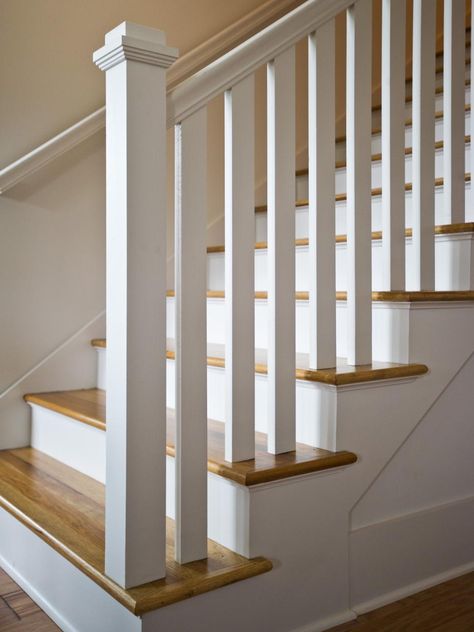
(135, 59)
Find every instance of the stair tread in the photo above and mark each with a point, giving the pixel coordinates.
(377, 191)
(395, 296)
(408, 123)
(341, 375)
(442, 229)
(377, 157)
(66, 510)
(89, 406)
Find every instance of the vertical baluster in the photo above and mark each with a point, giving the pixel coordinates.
(453, 109)
(239, 272)
(135, 528)
(191, 361)
(321, 153)
(393, 144)
(359, 238)
(423, 91)
(281, 251)
(471, 127)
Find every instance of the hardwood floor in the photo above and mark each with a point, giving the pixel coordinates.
(18, 611)
(448, 607)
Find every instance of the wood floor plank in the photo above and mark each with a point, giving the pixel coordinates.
(70, 518)
(448, 607)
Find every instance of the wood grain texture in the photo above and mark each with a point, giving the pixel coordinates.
(18, 612)
(88, 409)
(344, 373)
(448, 607)
(264, 468)
(395, 296)
(71, 520)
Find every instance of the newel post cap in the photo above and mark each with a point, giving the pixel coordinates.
(129, 41)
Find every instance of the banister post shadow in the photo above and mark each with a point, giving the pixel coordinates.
(135, 59)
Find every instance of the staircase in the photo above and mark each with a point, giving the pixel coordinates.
(238, 419)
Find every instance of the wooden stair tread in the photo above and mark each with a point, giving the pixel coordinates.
(442, 229)
(377, 191)
(377, 157)
(395, 296)
(408, 123)
(66, 510)
(264, 468)
(341, 375)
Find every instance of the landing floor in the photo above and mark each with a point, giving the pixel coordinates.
(448, 607)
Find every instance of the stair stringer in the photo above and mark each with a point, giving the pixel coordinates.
(303, 524)
(417, 516)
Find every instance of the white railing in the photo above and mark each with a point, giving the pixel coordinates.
(138, 112)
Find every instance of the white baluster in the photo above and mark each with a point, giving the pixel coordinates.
(239, 271)
(423, 108)
(393, 144)
(281, 251)
(359, 238)
(191, 361)
(321, 153)
(136, 59)
(453, 108)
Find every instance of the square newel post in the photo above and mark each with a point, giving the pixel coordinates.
(135, 59)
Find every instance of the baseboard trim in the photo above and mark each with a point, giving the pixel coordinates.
(329, 622)
(411, 589)
(36, 596)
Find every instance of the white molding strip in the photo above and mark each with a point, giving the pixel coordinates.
(52, 149)
(188, 64)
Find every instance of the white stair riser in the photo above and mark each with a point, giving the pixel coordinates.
(383, 335)
(82, 447)
(315, 402)
(301, 215)
(302, 180)
(452, 252)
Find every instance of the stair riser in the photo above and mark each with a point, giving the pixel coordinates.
(376, 146)
(452, 253)
(301, 215)
(384, 348)
(315, 402)
(302, 180)
(377, 115)
(83, 447)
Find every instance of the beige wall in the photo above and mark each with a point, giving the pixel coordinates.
(52, 225)
(48, 81)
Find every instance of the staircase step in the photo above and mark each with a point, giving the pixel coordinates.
(342, 375)
(66, 510)
(377, 157)
(389, 296)
(442, 229)
(88, 406)
(342, 197)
